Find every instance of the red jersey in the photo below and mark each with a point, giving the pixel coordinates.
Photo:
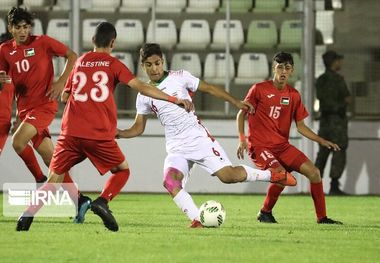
(6, 99)
(31, 69)
(90, 112)
(275, 110)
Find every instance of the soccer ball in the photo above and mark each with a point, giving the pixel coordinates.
(212, 214)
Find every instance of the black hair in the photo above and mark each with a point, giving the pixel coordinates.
(150, 49)
(104, 33)
(283, 57)
(19, 14)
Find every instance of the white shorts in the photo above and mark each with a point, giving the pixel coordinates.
(208, 154)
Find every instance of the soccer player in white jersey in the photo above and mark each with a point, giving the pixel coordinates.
(187, 140)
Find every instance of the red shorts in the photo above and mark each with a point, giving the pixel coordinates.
(70, 151)
(40, 117)
(286, 155)
(4, 131)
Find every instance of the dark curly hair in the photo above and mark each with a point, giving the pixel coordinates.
(19, 14)
(150, 49)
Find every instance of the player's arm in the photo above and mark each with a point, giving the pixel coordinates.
(155, 93)
(137, 128)
(224, 95)
(243, 145)
(308, 133)
(4, 78)
(57, 86)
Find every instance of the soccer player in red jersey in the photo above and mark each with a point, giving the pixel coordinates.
(89, 122)
(276, 105)
(27, 61)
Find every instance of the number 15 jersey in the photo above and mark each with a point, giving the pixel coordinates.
(275, 110)
(91, 111)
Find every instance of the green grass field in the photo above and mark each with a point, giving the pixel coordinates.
(152, 229)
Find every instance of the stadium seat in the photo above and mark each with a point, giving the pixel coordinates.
(38, 4)
(202, 6)
(215, 68)
(133, 6)
(7, 4)
(59, 29)
(126, 58)
(262, 34)
(319, 66)
(88, 31)
(2, 26)
(297, 69)
(130, 34)
(187, 61)
(269, 6)
(108, 6)
(64, 5)
(170, 6)
(58, 66)
(141, 73)
(290, 34)
(194, 35)
(294, 6)
(237, 6)
(252, 68)
(37, 28)
(325, 23)
(165, 35)
(319, 5)
(219, 35)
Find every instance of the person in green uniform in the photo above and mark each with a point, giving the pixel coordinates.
(334, 98)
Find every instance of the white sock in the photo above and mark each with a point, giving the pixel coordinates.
(256, 174)
(184, 202)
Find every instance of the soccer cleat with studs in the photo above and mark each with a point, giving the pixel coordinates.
(100, 208)
(84, 203)
(329, 221)
(266, 217)
(283, 178)
(24, 222)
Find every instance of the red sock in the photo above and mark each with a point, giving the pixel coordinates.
(114, 184)
(33, 209)
(319, 199)
(273, 193)
(31, 162)
(70, 187)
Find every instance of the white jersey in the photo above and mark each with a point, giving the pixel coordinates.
(181, 127)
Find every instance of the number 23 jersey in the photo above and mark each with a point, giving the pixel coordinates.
(274, 112)
(91, 111)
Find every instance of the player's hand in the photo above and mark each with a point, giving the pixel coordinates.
(56, 90)
(118, 132)
(187, 104)
(330, 145)
(243, 147)
(246, 106)
(4, 78)
(64, 97)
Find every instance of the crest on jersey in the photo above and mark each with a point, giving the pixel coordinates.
(284, 100)
(29, 52)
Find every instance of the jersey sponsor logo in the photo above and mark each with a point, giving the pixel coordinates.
(284, 100)
(13, 52)
(270, 96)
(29, 52)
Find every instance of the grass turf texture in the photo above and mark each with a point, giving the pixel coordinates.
(152, 229)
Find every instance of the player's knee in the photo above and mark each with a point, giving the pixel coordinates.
(315, 175)
(172, 180)
(18, 144)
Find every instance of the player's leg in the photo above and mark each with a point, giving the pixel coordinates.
(20, 140)
(176, 174)
(107, 156)
(308, 169)
(4, 131)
